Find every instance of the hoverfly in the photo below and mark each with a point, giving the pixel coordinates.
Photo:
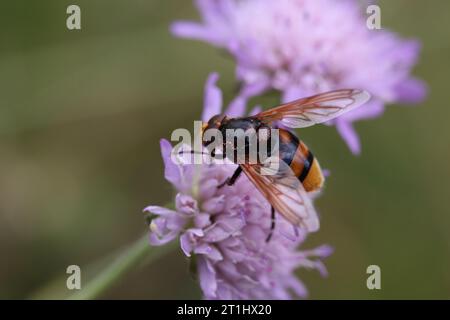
(299, 171)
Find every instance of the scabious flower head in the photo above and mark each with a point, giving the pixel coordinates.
(225, 229)
(304, 47)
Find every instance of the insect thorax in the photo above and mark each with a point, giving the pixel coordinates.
(247, 140)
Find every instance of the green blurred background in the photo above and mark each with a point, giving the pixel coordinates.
(81, 115)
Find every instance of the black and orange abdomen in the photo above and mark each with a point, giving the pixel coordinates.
(301, 160)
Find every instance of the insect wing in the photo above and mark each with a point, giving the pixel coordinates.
(320, 108)
(279, 185)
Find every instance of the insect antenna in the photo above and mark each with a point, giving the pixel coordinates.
(191, 152)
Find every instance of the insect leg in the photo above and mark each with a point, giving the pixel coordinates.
(191, 152)
(272, 226)
(230, 181)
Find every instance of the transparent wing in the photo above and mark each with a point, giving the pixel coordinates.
(279, 185)
(320, 108)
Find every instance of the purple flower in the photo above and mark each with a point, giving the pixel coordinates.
(225, 229)
(304, 47)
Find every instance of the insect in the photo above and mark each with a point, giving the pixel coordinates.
(298, 171)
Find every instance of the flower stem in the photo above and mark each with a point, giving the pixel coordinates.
(130, 258)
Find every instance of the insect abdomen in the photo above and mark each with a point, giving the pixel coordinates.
(301, 160)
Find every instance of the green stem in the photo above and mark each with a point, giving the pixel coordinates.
(128, 260)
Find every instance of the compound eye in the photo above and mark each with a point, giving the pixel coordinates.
(215, 121)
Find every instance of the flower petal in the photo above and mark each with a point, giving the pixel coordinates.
(186, 204)
(214, 205)
(212, 97)
(161, 211)
(172, 172)
(349, 135)
(298, 287)
(186, 245)
(255, 110)
(192, 30)
(411, 91)
(158, 241)
(237, 107)
(210, 251)
(207, 277)
(215, 233)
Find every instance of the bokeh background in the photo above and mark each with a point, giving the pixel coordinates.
(81, 115)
